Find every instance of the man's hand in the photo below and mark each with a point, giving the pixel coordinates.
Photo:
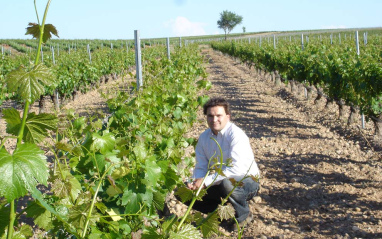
(196, 184)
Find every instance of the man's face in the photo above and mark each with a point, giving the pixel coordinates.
(217, 118)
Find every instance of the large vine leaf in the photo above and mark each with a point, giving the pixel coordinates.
(36, 127)
(34, 30)
(153, 171)
(186, 232)
(131, 201)
(22, 170)
(12, 117)
(103, 143)
(30, 84)
(184, 193)
(209, 226)
(69, 186)
(41, 216)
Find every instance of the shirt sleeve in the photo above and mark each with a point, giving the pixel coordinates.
(201, 165)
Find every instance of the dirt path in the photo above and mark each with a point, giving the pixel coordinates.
(315, 183)
(319, 180)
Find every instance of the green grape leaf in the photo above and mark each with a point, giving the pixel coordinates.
(65, 188)
(204, 84)
(187, 231)
(120, 172)
(131, 201)
(30, 84)
(103, 143)
(226, 212)
(98, 161)
(180, 100)
(177, 113)
(41, 216)
(37, 126)
(25, 231)
(201, 194)
(113, 190)
(22, 170)
(184, 193)
(169, 224)
(140, 151)
(202, 100)
(78, 215)
(61, 212)
(153, 171)
(64, 146)
(151, 233)
(170, 178)
(34, 30)
(79, 124)
(12, 117)
(209, 226)
(159, 199)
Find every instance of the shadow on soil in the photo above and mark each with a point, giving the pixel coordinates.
(316, 207)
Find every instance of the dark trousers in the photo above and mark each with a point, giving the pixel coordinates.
(239, 197)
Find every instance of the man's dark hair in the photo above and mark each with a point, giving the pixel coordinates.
(217, 101)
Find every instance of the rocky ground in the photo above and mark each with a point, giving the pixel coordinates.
(320, 178)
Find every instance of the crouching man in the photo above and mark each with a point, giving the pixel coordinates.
(236, 147)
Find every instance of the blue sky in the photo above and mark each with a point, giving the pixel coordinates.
(117, 19)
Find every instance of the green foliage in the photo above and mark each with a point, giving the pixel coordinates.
(186, 232)
(35, 30)
(228, 21)
(209, 226)
(37, 126)
(22, 170)
(334, 68)
(30, 84)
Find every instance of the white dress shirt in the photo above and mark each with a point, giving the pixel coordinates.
(235, 145)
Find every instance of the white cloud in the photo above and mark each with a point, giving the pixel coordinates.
(181, 26)
(333, 27)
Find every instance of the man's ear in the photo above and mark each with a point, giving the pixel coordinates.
(229, 117)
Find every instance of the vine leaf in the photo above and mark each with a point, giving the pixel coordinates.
(103, 143)
(131, 200)
(34, 30)
(202, 99)
(69, 186)
(209, 226)
(184, 193)
(204, 84)
(153, 171)
(186, 232)
(151, 233)
(22, 170)
(30, 84)
(36, 127)
(12, 117)
(41, 216)
(226, 212)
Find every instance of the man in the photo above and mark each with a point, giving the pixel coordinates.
(235, 146)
